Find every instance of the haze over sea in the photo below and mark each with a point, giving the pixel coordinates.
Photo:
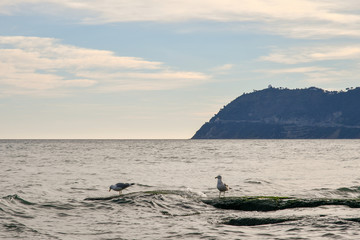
(58, 189)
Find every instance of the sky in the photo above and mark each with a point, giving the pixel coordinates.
(159, 69)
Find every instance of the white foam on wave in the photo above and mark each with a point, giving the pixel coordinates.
(192, 192)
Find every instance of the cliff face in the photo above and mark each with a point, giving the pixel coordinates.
(275, 113)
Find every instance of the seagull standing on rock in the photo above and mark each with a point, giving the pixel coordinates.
(120, 186)
(221, 186)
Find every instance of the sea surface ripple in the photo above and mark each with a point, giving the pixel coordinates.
(58, 189)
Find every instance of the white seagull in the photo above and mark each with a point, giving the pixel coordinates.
(120, 186)
(221, 186)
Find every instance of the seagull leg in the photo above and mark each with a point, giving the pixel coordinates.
(120, 192)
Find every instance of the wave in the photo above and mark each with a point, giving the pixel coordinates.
(17, 198)
(256, 181)
(167, 202)
(14, 205)
(186, 193)
(143, 185)
(176, 207)
(15, 213)
(353, 189)
(170, 201)
(166, 198)
(341, 192)
(18, 227)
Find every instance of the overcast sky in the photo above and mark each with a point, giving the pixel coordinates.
(161, 68)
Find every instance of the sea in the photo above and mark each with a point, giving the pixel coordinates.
(59, 189)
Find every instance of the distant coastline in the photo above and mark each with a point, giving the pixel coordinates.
(281, 113)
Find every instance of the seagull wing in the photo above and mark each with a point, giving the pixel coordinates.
(122, 185)
(221, 187)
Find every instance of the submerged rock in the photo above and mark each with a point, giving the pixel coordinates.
(275, 203)
(353, 219)
(257, 221)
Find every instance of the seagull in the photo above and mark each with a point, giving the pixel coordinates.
(120, 186)
(221, 186)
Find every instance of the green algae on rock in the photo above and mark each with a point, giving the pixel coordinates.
(264, 203)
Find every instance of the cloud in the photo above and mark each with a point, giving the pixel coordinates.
(297, 18)
(316, 75)
(162, 80)
(51, 53)
(313, 54)
(224, 67)
(35, 65)
(298, 70)
(317, 64)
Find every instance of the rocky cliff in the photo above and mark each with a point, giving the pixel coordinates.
(277, 113)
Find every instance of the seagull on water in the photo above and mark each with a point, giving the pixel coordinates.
(120, 186)
(221, 186)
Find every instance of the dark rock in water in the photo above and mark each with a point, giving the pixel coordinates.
(257, 221)
(353, 219)
(247, 203)
(275, 203)
(276, 113)
(102, 198)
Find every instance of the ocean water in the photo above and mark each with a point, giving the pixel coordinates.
(58, 189)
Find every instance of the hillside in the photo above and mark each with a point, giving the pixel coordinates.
(277, 113)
